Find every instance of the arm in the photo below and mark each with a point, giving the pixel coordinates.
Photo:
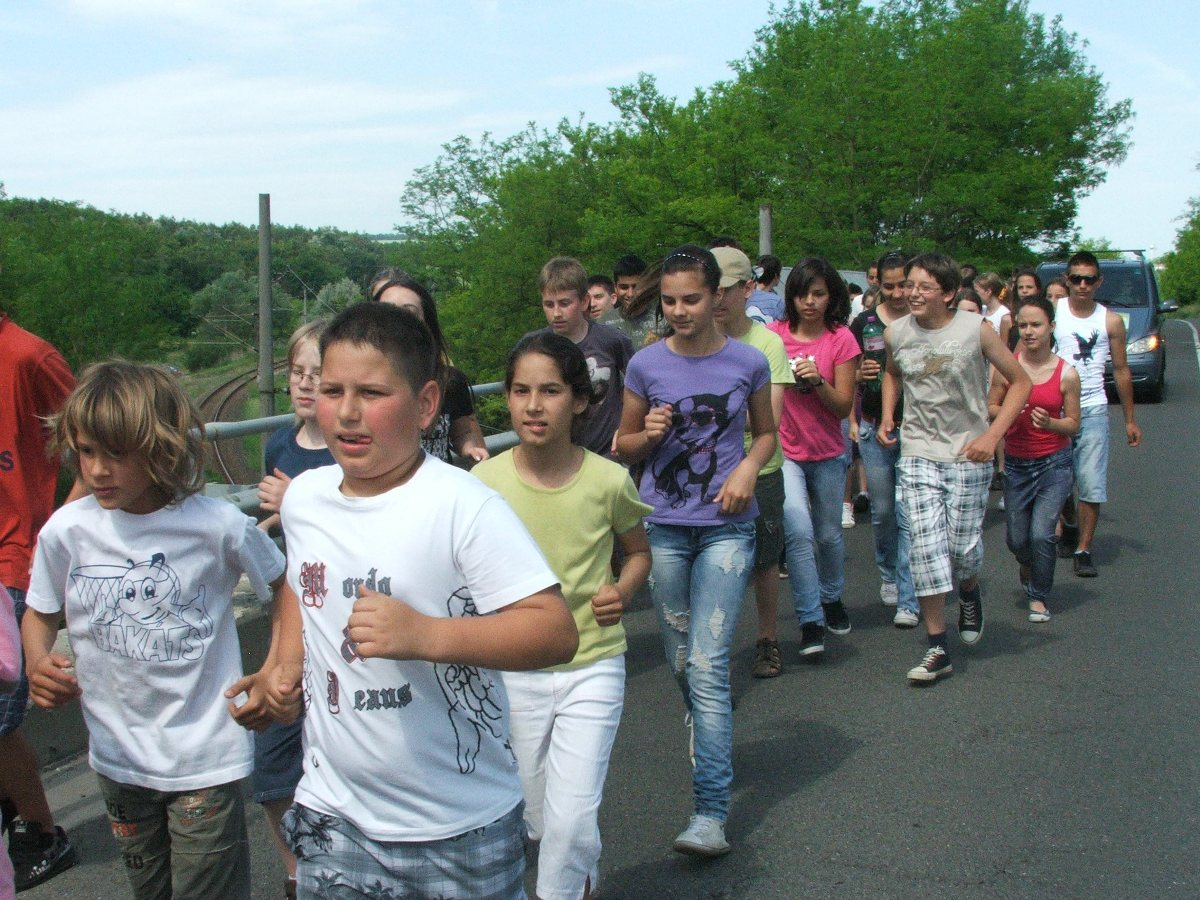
(996, 393)
(1121, 377)
(532, 633)
(271, 490)
(738, 490)
(466, 437)
(610, 601)
(642, 428)
(983, 448)
(274, 692)
(837, 396)
(1069, 423)
(893, 384)
(51, 683)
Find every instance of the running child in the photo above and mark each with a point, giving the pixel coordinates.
(413, 582)
(1038, 470)
(278, 754)
(935, 355)
(144, 569)
(575, 504)
(686, 402)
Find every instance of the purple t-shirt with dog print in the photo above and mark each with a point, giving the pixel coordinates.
(710, 400)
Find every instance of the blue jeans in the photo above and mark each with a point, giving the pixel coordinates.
(889, 523)
(812, 522)
(698, 579)
(1034, 492)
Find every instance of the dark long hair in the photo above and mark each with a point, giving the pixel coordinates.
(389, 278)
(800, 281)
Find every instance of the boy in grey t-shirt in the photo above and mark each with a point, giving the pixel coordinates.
(936, 356)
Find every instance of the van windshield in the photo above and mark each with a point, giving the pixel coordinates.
(1124, 287)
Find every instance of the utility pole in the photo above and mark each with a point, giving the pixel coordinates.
(266, 350)
(766, 240)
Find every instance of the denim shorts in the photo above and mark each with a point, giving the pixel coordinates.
(278, 761)
(335, 859)
(12, 705)
(1090, 449)
(768, 527)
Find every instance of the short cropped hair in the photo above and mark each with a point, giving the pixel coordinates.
(563, 273)
(398, 335)
(602, 281)
(944, 270)
(725, 240)
(1084, 258)
(629, 264)
(893, 259)
(135, 409)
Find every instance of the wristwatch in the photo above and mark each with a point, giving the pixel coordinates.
(820, 381)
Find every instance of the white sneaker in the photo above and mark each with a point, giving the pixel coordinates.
(889, 594)
(1000, 505)
(704, 836)
(906, 618)
(847, 515)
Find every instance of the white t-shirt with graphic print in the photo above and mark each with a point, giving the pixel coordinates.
(411, 750)
(148, 601)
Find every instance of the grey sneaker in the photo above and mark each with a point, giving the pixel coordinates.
(704, 836)
(906, 618)
(889, 594)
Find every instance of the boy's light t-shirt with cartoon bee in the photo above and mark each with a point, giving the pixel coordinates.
(148, 602)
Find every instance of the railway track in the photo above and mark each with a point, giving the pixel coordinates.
(227, 399)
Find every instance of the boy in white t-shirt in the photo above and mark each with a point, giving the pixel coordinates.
(144, 570)
(413, 581)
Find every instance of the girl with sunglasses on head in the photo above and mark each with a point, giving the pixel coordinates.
(687, 399)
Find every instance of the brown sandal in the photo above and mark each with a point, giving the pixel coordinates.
(768, 661)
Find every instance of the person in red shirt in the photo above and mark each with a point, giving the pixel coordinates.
(34, 382)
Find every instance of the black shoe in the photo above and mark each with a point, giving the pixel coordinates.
(935, 665)
(836, 619)
(1068, 541)
(812, 639)
(1083, 564)
(36, 856)
(970, 619)
(862, 502)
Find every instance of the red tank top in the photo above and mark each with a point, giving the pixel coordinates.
(1027, 442)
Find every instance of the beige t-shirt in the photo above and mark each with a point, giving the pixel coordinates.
(945, 388)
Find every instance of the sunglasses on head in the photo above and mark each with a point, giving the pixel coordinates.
(1083, 279)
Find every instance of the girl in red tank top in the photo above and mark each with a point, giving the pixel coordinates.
(1038, 473)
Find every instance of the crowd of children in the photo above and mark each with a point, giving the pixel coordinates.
(446, 675)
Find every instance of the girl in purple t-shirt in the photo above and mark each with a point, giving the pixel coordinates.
(686, 402)
(824, 354)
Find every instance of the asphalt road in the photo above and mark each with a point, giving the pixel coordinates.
(1059, 760)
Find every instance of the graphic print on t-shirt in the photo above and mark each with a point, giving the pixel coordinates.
(138, 610)
(473, 708)
(687, 459)
(949, 356)
(1087, 346)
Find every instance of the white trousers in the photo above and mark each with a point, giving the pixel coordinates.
(563, 727)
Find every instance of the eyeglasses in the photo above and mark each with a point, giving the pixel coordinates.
(1083, 279)
(925, 290)
(298, 375)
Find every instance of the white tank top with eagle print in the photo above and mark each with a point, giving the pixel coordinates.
(1084, 344)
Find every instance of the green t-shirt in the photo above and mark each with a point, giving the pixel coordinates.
(575, 526)
(771, 346)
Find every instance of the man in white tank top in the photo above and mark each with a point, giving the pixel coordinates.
(1088, 335)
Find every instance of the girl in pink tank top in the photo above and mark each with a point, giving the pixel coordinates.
(1038, 471)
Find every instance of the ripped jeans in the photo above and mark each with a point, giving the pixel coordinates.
(698, 581)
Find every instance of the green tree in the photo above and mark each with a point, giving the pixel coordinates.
(1181, 277)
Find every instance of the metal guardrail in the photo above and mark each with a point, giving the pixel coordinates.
(246, 498)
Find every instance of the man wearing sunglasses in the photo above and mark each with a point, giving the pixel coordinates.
(1088, 335)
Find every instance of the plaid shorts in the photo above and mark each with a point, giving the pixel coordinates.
(335, 859)
(945, 503)
(12, 705)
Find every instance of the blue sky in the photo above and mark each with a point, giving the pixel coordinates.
(191, 108)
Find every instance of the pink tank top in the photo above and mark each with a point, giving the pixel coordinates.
(1027, 442)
